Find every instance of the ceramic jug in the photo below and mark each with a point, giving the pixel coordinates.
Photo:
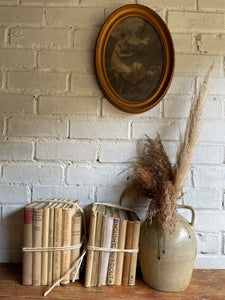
(167, 260)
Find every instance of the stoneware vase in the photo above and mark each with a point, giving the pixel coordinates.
(167, 261)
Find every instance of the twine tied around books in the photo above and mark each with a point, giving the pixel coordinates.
(77, 263)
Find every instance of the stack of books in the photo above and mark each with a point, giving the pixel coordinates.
(50, 223)
(112, 227)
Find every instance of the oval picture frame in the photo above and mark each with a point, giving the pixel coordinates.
(134, 58)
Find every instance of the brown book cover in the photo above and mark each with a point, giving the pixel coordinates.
(27, 242)
(127, 256)
(75, 239)
(37, 242)
(97, 243)
(121, 245)
(90, 253)
(135, 245)
(114, 243)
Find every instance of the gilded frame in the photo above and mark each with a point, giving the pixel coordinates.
(115, 88)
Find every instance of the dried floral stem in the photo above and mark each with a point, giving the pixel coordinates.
(155, 179)
(191, 135)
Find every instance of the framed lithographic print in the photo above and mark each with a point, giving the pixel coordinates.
(134, 58)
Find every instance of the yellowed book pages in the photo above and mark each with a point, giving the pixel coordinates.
(121, 245)
(45, 237)
(76, 239)
(127, 256)
(90, 253)
(37, 242)
(135, 245)
(27, 242)
(56, 272)
(114, 243)
(66, 241)
(95, 271)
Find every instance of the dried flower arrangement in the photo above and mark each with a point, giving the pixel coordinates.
(155, 178)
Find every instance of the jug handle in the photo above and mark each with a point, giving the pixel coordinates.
(192, 212)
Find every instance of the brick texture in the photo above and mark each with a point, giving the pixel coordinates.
(37, 127)
(61, 138)
(36, 38)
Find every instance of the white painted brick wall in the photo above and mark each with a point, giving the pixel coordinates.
(79, 151)
(59, 136)
(36, 81)
(39, 37)
(37, 127)
(10, 150)
(52, 105)
(78, 62)
(66, 17)
(34, 174)
(195, 20)
(16, 58)
(99, 129)
(97, 175)
(15, 103)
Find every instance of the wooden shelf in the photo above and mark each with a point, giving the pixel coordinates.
(205, 284)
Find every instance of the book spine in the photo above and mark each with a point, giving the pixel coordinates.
(27, 256)
(75, 239)
(57, 243)
(135, 244)
(102, 244)
(95, 271)
(120, 255)
(113, 255)
(50, 244)
(105, 260)
(37, 242)
(90, 253)
(66, 241)
(127, 256)
(45, 235)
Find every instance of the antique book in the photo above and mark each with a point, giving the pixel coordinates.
(102, 244)
(27, 242)
(66, 241)
(45, 237)
(37, 242)
(114, 243)
(75, 239)
(90, 253)
(121, 245)
(95, 269)
(51, 241)
(135, 245)
(128, 245)
(56, 272)
(107, 244)
(111, 228)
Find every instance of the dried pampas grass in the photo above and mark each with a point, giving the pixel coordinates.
(193, 128)
(155, 178)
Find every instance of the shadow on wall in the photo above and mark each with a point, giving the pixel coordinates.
(11, 234)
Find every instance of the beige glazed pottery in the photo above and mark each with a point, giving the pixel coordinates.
(167, 261)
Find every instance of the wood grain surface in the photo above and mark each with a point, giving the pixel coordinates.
(205, 285)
